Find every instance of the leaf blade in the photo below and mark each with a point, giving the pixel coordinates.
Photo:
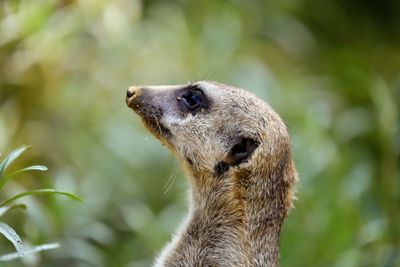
(40, 192)
(11, 157)
(7, 177)
(6, 209)
(35, 249)
(11, 235)
(34, 168)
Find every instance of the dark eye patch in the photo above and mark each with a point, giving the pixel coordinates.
(192, 100)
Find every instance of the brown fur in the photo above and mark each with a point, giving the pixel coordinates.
(236, 211)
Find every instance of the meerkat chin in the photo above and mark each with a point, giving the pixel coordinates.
(237, 154)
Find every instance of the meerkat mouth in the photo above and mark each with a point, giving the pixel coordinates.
(153, 123)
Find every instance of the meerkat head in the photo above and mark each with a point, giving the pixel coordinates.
(216, 130)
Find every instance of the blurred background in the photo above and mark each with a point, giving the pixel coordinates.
(330, 68)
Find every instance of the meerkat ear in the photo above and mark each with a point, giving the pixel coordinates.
(241, 150)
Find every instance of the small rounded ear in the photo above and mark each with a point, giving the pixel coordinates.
(241, 150)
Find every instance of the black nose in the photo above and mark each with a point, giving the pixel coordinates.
(130, 93)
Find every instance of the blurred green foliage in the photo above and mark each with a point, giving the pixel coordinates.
(9, 204)
(330, 68)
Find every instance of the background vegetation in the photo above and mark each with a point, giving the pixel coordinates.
(330, 68)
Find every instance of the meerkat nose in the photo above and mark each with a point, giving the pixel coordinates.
(130, 92)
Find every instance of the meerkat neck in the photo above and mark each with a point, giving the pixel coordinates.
(266, 212)
(253, 211)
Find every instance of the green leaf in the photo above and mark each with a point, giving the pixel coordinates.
(5, 209)
(39, 192)
(11, 157)
(7, 177)
(33, 168)
(11, 235)
(36, 249)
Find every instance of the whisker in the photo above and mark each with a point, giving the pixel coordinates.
(157, 123)
(171, 179)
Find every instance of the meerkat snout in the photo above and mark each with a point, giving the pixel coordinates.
(237, 152)
(131, 93)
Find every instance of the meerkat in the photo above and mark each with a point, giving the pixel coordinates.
(237, 153)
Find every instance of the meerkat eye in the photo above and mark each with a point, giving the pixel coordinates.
(193, 99)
